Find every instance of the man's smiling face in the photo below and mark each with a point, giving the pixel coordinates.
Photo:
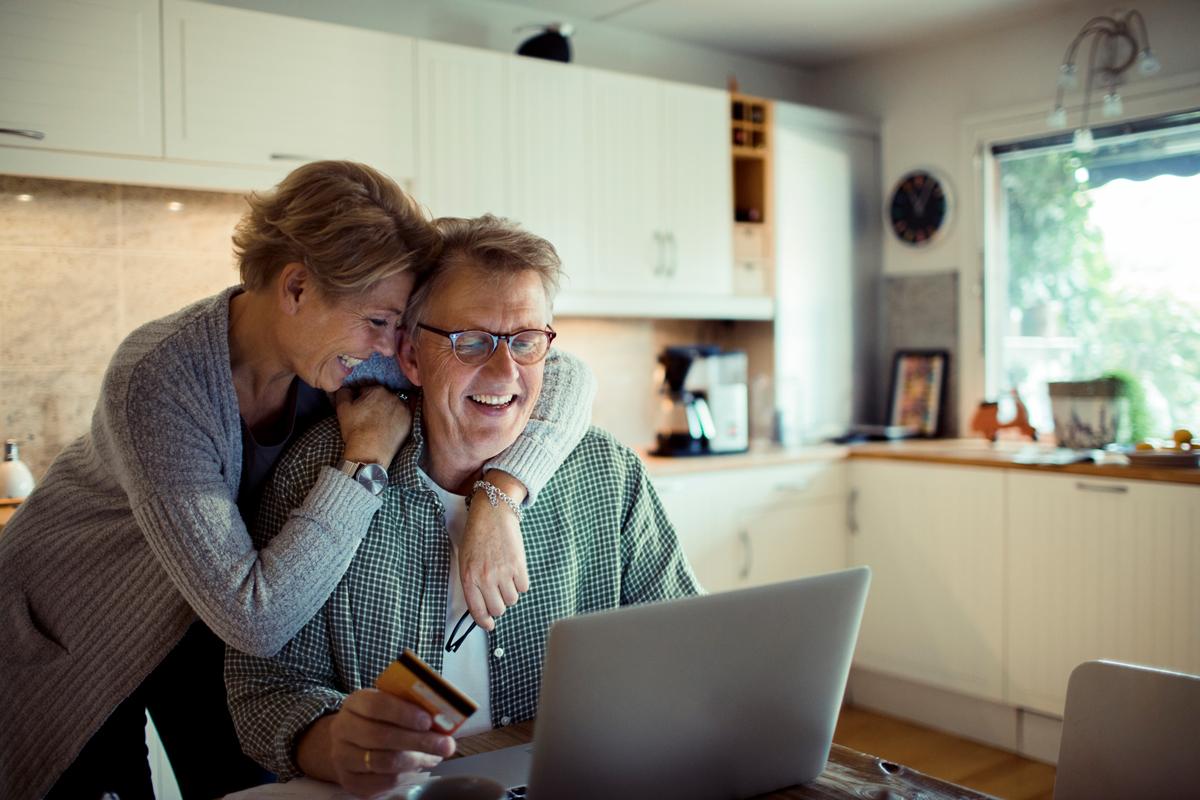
(472, 413)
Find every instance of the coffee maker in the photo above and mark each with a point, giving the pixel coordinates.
(704, 405)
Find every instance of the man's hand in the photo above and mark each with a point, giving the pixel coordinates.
(370, 742)
(491, 561)
(374, 423)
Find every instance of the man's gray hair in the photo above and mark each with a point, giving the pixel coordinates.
(493, 244)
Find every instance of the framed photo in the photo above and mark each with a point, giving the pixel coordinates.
(919, 390)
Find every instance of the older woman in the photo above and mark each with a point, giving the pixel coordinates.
(123, 572)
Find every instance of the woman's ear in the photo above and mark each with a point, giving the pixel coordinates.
(406, 356)
(293, 287)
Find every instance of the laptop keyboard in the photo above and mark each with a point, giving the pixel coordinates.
(516, 793)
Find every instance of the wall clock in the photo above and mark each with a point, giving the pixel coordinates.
(919, 207)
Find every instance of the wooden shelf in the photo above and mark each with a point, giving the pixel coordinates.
(750, 139)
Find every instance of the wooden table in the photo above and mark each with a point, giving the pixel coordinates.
(848, 773)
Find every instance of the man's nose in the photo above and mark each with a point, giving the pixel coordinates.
(501, 364)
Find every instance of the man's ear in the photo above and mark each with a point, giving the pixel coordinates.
(406, 356)
(293, 287)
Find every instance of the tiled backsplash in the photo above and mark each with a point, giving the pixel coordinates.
(83, 264)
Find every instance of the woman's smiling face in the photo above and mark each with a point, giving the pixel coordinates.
(336, 334)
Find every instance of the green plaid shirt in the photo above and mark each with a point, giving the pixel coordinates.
(596, 539)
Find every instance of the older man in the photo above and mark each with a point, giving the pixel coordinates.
(476, 335)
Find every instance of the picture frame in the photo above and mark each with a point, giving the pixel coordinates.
(918, 391)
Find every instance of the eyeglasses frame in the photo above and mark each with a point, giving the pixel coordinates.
(496, 339)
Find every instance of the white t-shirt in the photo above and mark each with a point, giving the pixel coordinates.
(468, 668)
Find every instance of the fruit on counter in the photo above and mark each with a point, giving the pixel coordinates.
(1183, 439)
(1144, 445)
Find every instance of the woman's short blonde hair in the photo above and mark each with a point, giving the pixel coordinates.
(498, 247)
(348, 224)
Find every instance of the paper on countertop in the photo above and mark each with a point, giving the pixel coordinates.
(309, 789)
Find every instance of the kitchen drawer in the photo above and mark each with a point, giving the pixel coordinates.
(750, 242)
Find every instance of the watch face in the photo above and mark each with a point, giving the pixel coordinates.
(920, 208)
(372, 476)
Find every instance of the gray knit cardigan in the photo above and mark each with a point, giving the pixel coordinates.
(134, 533)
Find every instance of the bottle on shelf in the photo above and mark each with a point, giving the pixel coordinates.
(16, 481)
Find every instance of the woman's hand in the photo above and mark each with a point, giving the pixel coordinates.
(370, 742)
(374, 422)
(491, 561)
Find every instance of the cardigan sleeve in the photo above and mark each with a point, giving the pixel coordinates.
(170, 447)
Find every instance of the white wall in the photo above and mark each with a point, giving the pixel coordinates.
(490, 24)
(940, 99)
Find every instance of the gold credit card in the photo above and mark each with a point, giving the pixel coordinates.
(414, 680)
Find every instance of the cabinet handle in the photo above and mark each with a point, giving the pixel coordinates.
(852, 511)
(674, 261)
(24, 133)
(660, 266)
(798, 487)
(747, 554)
(1096, 487)
(292, 157)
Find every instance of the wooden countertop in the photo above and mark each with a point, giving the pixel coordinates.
(1009, 455)
(758, 456)
(964, 452)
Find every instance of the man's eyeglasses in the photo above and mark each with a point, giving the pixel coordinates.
(476, 347)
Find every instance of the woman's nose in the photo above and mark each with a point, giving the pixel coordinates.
(385, 342)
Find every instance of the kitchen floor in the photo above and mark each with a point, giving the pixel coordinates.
(976, 766)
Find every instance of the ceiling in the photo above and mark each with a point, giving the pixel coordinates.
(805, 33)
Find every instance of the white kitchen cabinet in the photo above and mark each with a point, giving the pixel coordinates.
(662, 190)
(549, 141)
(1098, 568)
(463, 145)
(630, 253)
(85, 76)
(264, 90)
(751, 526)
(933, 537)
(697, 190)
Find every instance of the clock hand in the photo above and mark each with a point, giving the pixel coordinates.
(925, 194)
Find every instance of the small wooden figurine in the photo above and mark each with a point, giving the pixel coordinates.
(987, 419)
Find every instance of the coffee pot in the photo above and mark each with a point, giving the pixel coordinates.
(703, 408)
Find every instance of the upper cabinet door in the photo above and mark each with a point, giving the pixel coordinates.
(630, 238)
(697, 190)
(549, 140)
(83, 75)
(259, 89)
(462, 139)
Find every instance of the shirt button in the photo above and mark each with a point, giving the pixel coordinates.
(505, 720)
(498, 652)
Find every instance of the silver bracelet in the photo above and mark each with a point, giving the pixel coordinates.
(495, 495)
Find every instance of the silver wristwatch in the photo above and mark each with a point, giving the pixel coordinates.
(372, 476)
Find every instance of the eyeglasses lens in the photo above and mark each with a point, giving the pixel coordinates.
(476, 347)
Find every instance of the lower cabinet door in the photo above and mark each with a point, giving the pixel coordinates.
(785, 542)
(1099, 568)
(933, 538)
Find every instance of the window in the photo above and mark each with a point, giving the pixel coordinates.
(1094, 268)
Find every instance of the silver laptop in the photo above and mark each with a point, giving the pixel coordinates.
(721, 696)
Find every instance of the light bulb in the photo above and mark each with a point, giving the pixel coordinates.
(1082, 175)
(1148, 63)
(1084, 142)
(1057, 119)
(1113, 107)
(1067, 78)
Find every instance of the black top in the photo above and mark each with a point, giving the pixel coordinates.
(304, 407)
